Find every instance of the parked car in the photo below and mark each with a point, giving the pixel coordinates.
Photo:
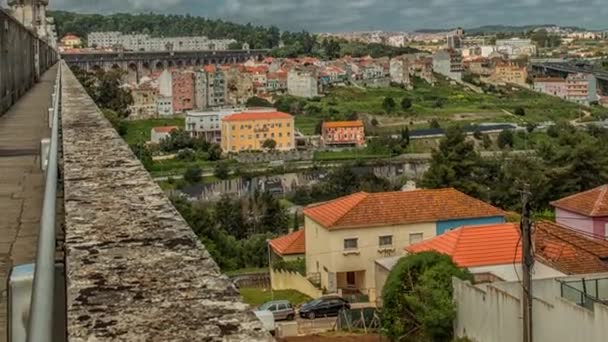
(324, 306)
(281, 309)
(267, 319)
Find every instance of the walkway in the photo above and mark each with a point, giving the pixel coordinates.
(21, 181)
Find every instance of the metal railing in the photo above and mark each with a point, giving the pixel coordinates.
(40, 325)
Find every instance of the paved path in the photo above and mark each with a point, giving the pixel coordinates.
(21, 181)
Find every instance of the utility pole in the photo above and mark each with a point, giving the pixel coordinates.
(527, 264)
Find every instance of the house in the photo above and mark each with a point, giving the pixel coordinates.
(164, 105)
(145, 98)
(400, 72)
(508, 72)
(492, 312)
(343, 133)
(581, 88)
(70, 41)
(247, 131)
(182, 90)
(206, 124)
(586, 212)
(347, 235)
(239, 86)
(480, 66)
(159, 133)
(277, 81)
(210, 88)
(554, 86)
(449, 64)
(303, 82)
(289, 247)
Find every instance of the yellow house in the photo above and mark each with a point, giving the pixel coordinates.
(345, 237)
(510, 73)
(71, 41)
(248, 131)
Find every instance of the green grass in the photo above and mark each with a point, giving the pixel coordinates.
(139, 130)
(307, 124)
(286, 203)
(256, 297)
(444, 102)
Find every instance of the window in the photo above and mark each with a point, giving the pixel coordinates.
(351, 243)
(415, 238)
(272, 308)
(385, 240)
(280, 135)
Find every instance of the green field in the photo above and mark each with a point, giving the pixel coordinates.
(444, 102)
(307, 124)
(256, 297)
(138, 131)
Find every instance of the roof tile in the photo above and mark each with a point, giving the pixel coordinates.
(257, 116)
(392, 208)
(593, 203)
(474, 246)
(290, 244)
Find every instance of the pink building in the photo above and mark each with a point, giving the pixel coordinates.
(586, 212)
(182, 86)
(344, 133)
(553, 86)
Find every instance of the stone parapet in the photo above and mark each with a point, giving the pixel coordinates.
(135, 269)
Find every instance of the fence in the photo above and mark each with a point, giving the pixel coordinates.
(366, 319)
(23, 57)
(255, 280)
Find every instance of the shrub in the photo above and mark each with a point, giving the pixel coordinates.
(520, 111)
(193, 175)
(417, 298)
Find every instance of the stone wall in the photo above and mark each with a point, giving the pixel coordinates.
(135, 270)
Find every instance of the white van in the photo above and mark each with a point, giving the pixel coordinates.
(267, 319)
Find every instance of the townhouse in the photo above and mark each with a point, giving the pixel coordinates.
(248, 131)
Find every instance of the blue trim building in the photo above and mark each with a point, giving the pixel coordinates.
(447, 225)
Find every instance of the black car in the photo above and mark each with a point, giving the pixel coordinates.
(324, 306)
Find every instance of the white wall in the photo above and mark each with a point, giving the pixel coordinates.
(510, 272)
(493, 313)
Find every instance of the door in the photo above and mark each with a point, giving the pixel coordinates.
(281, 312)
(273, 309)
(350, 279)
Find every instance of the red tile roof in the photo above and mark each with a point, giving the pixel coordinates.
(569, 251)
(290, 244)
(475, 246)
(393, 208)
(165, 129)
(593, 203)
(339, 124)
(257, 116)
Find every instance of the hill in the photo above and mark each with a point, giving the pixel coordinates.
(258, 37)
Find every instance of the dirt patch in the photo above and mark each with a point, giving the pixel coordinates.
(334, 338)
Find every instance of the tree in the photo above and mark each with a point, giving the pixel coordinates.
(193, 175)
(257, 102)
(215, 152)
(520, 111)
(505, 138)
(434, 123)
(486, 141)
(417, 298)
(221, 170)
(375, 122)
(406, 103)
(454, 164)
(388, 104)
(269, 144)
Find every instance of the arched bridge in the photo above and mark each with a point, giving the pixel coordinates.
(143, 63)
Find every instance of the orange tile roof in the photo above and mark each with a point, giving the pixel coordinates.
(257, 116)
(339, 124)
(569, 251)
(209, 68)
(474, 246)
(290, 244)
(593, 203)
(400, 207)
(165, 129)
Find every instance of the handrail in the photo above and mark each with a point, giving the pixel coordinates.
(40, 326)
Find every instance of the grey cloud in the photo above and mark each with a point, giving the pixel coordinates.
(347, 15)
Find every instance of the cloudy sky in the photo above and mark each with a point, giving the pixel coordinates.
(350, 15)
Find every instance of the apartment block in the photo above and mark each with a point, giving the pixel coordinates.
(211, 88)
(302, 83)
(449, 64)
(248, 131)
